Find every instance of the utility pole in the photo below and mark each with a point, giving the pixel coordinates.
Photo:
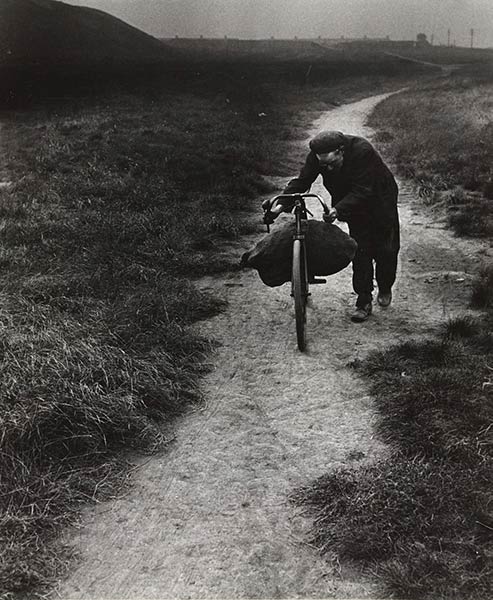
(448, 38)
(472, 38)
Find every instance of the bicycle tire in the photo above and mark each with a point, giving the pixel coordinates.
(299, 286)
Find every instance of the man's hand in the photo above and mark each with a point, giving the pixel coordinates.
(269, 216)
(331, 216)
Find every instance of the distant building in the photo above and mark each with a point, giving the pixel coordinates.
(298, 46)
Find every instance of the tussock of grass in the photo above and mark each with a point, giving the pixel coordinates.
(471, 218)
(422, 519)
(419, 526)
(438, 408)
(462, 328)
(482, 289)
(68, 403)
(38, 502)
(80, 397)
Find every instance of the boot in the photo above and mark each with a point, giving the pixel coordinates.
(384, 298)
(361, 313)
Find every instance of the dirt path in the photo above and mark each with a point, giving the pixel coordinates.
(446, 69)
(210, 519)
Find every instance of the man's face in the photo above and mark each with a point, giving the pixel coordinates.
(332, 161)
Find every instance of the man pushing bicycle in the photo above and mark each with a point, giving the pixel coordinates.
(364, 194)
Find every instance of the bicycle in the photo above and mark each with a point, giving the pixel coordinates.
(300, 277)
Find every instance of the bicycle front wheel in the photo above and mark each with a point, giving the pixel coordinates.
(299, 284)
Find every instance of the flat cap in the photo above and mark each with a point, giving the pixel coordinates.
(327, 141)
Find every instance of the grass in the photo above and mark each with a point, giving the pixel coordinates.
(417, 543)
(420, 520)
(119, 199)
(440, 135)
(435, 138)
(116, 205)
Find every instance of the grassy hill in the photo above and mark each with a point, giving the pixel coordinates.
(48, 32)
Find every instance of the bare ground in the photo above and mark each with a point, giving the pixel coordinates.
(211, 518)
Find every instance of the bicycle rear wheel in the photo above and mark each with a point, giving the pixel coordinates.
(299, 284)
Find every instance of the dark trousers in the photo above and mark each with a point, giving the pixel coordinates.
(376, 257)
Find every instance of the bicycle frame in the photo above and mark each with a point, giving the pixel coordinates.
(299, 275)
(300, 212)
(300, 278)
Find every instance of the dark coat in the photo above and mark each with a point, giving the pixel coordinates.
(364, 191)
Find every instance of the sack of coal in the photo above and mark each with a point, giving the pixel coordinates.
(328, 248)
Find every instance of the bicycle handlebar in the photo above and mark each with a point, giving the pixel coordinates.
(276, 210)
(305, 195)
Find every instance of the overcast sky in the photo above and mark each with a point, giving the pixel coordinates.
(253, 19)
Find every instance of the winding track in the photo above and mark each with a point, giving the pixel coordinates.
(210, 518)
